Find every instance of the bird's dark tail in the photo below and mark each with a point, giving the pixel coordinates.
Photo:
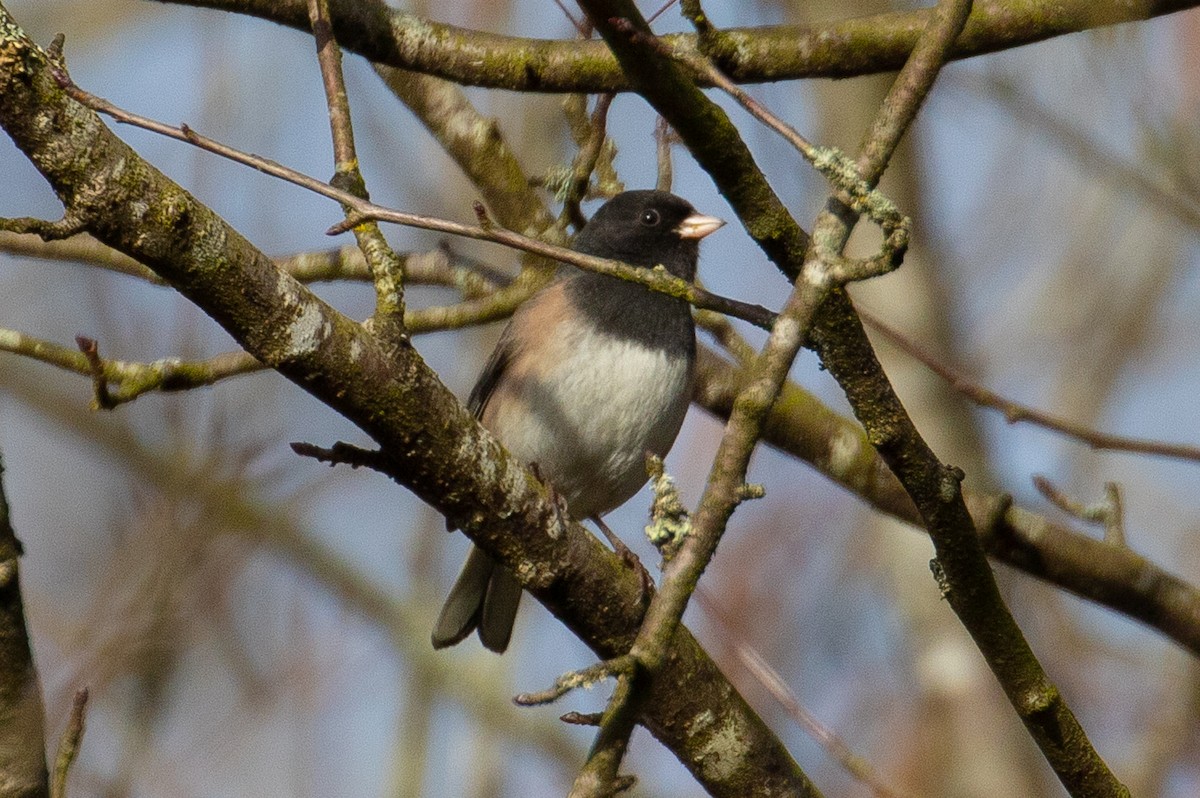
(484, 597)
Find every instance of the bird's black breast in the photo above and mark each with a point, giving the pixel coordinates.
(632, 312)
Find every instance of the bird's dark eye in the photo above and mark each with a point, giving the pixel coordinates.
(651, 218)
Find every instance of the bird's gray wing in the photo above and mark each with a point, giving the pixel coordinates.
(492, 373)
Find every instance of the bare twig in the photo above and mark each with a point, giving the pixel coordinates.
(1114, 521)
(585, 678)
(579, 27)
(68, 744)
(857, 190)
(91, 353)
(836, 166)
(1015, 412)
(342, 453)
(774, 683)
(592, 138)
(1110, 512)
(77, 249)
(664, 137)
(661, 10)
(117, 381)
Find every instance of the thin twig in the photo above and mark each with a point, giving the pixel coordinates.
(342, 453)
(661, 10)
(91, 353)
(1109, 513)
(774, 683)
(579, 27)
(77, 249)
(117, 381)
(574, 680)
(664, 137)
(593, 138)
(1114, 521)
(1015, 412)
(68, 744)
(834, 165)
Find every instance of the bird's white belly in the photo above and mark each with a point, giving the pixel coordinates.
(589, 419)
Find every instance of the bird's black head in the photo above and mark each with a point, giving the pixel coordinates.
(645, 228)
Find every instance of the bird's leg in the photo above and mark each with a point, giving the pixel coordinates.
(556, 500)
(628, 557)
(624, 552)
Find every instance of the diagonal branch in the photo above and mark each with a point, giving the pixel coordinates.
(961, 567)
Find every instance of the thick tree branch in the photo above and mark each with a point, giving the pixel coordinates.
(861, 46)
(432, 442)
(960, 567)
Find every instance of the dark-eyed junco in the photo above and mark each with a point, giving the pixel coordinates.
(591, 374)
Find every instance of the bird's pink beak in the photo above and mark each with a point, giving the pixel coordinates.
(698, 225)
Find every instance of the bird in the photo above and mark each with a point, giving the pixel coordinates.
(591, 374)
